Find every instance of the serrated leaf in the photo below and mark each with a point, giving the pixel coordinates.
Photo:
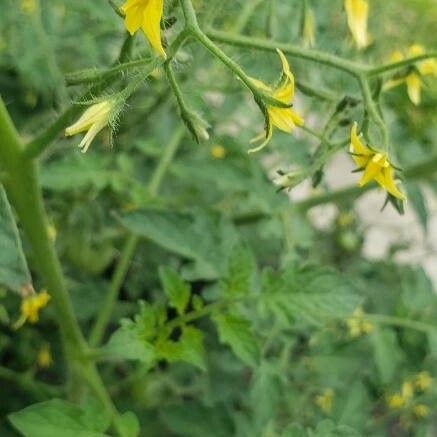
(313, 294)
(14, 273)
(127, 343)
(203, 238)
(188, 348)
(56, 418)
(237, 333)
(176, 289)
(240, 272)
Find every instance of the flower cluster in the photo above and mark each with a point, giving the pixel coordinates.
(30, 308)
(405, 399)
(357, 325)
(413, 76)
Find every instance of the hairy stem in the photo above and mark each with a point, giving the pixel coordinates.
(22, 185)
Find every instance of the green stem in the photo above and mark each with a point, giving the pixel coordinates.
(107, 306)
(122, 268)
(375, 71)
(372, 110)
(295, 51)
(23, 189)
(96, 75)
(403, 323)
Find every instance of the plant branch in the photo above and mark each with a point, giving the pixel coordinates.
(124, 262)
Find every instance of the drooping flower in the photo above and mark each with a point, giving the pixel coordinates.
(30, 308)
(374, 164)
(145, 15)
(284, 119)
(413, 77)
(92, 121)
(357, 12)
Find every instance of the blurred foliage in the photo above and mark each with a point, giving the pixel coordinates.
(238, 315)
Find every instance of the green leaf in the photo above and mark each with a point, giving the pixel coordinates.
(236, 332)
(265, 394)
(313, 294)
(195, 420)
(56, 418)
(75, 173)
(240, 272)
(418, 202)
(127, 343)
(129, 424)
(386, 353)
(176, 289)
(203, 238)
(14, 273)
(188, 348)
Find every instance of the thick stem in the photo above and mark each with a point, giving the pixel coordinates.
(23, 189)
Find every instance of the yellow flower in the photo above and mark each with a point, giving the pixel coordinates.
(423, 381)
(357, 12)
(407, 390)
(145, 14)
(395, 401)
(284, 119)
(421, 410)
(413, 79)
(44, 357)
(357, 325)
(92, 121)
(30, 308)
(217, 151)
(375, 164)
(325, 400)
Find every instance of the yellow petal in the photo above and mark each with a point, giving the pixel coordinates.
(429, 66)
(357, 12)
(393, 83)
(89, 117)
(285, 64)
(281, 118)
(360, 152)
(396, 56)
(133, 14)
(416, 50)
(152, 24)
(373, 168)
(414, 86)
(386, 180)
